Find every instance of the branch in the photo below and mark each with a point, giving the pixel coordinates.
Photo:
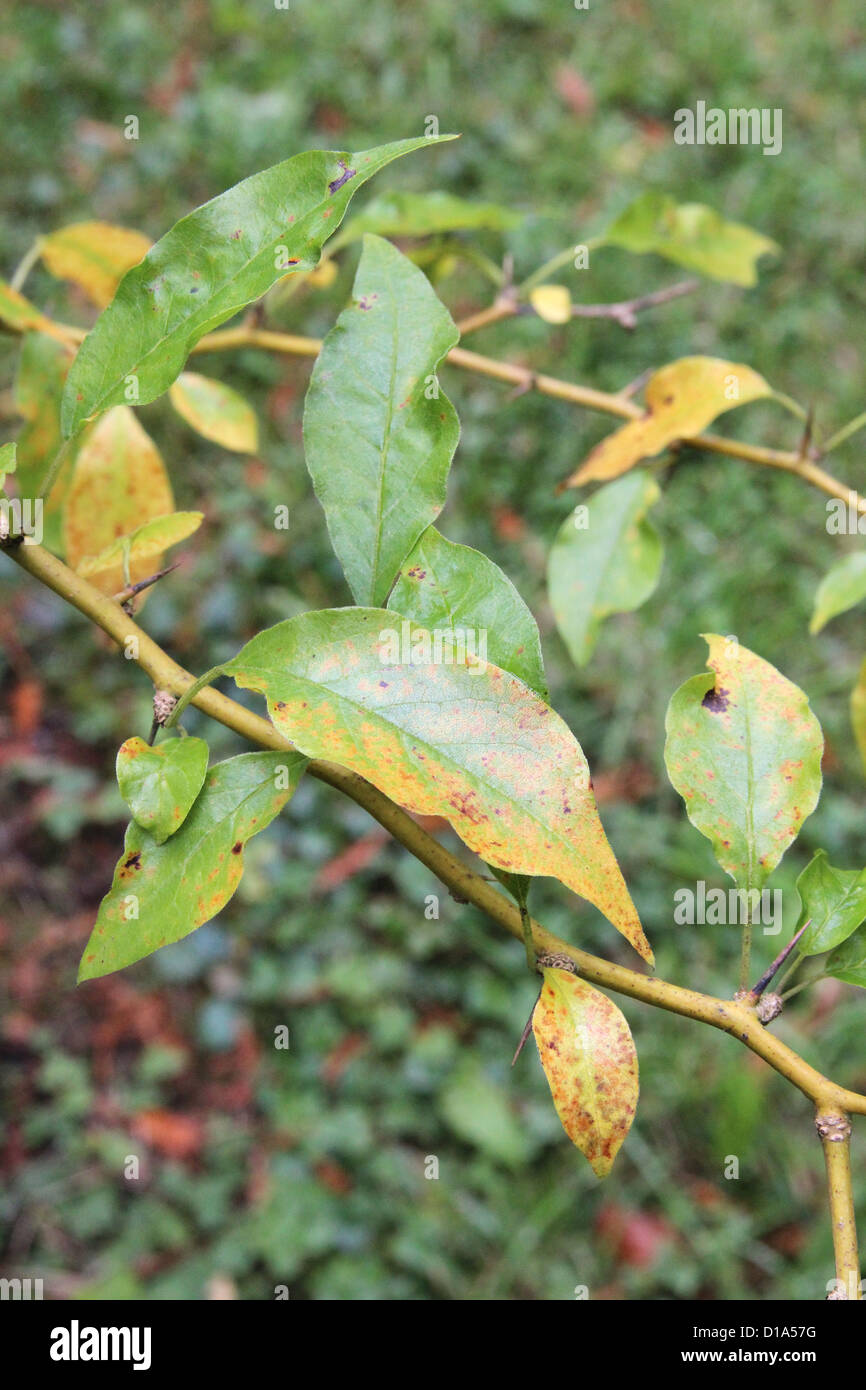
(736, 1017)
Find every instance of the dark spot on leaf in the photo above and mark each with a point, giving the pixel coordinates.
(416, 572)
(344, 177)
(237, 847)
(134, 861)
(716, 701)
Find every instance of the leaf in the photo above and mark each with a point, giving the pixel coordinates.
(858, 712)
(848, 961)
(744, 752)
(447, 587)
(610, 565)
(840, 589)
(397, 214)
(216, 412)
(93, 255)
(379, 435)
(8, 461)
(589, 1059)
(479, 1112)
(119, 482)
(145, 543)
(834, 900)
(163, 892)
(42, 368)
(692, 235)
(551, 303)
(463, 740)
(159, 785)
(681, 400)
(211, 264)
(22, 316)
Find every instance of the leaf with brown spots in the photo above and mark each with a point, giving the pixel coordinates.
(589, 1059)
(119, 483)
(455, 737)
(744, 752)
(163, 892)
(681, 400)
(210, 265)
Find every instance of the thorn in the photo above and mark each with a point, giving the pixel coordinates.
(804, 449)
(132, 589)
(757, 990)
(525, 1034)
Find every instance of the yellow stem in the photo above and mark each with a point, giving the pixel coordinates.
(834, 1128)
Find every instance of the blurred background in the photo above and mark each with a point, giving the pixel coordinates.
(305, 1168)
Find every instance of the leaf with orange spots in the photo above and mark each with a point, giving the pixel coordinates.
(589, 1059)
(744, 752)
(442, 732)
(681, 400)
(119, 483)
(163, 892)
(210, 265)
(159, 785)
(93, 255)
(379, 434)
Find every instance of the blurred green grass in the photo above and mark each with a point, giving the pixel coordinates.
(306, 1167)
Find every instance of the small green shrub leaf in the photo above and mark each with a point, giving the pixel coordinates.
(159, 785)
(833, 902)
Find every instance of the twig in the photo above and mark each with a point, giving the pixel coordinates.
(132, 589)
(757, 990)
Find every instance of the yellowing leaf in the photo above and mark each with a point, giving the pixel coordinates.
(551, 303)
(162, 892)
(744, 752)
(589, 1059)
(681, 400)
(94, 256)
(148, 541)
(42, 368)
(216, 412)
(119, 482)
(692, 235)
(453, 736)
(18, 313)
(858, 713)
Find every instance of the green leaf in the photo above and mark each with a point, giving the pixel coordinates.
(590, 1062)
(848, 961)
(163, 892)
(744, 752)
(834, 900)
(447, 587)
(8, 461)
(479, 1112)
(211, 264)
(692, 235)
(42, 369)
(455, 738)
(681, 399)
(216, 412)
(840, 589)
(145, 543)
(396, 214)
(606, 558)
(379, 434)
(159, 785)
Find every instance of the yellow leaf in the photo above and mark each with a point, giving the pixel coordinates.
(93, 255)
(589, 1059)
(119, 482)
(551, 303)
(323, 276)
(681, 400)
(148, 541)
(858, 712)
(18, 313)
(216, 412)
